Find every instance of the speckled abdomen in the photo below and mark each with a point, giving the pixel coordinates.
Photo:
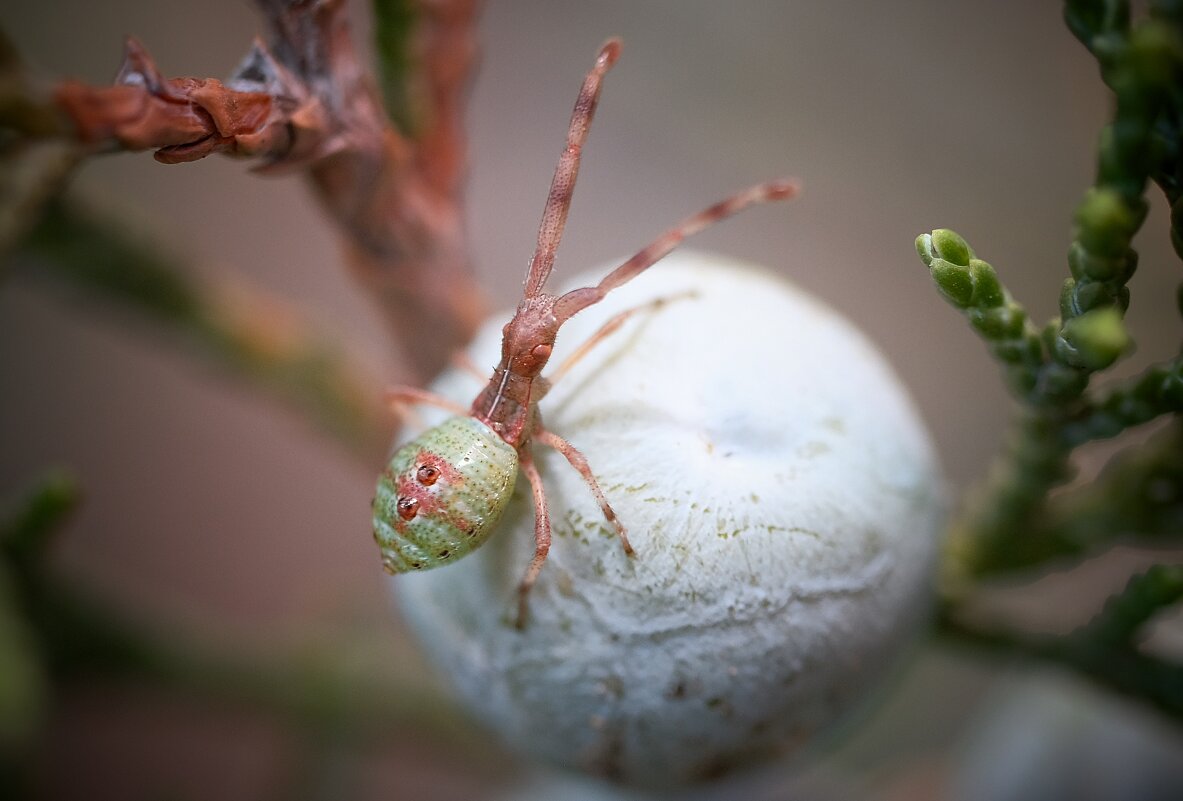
(442, 494)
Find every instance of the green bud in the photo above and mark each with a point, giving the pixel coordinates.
(23, 683)
(1149, 386)
(1171, 390)
(1000, 322)
(1077, 257)
(1068, 307)
(1082, 20)
(924, 248)
(31, 526)
(1021, 380)
(1065, 353)
(1105, 223)
(1154, 54)
(987, 290)
(984, 322)
(1011, 351)
(1126, 266)
(1108, 45)
(951, 247)
(1094, 295)
(954, 282)
(1095, 339)
(1135, 411)
(1114, 169)
(1101, 268)
(1013, 319)
(1032, 349)
(1061, 382)
(1104, 425)
(1050, 334)
(1121, 299)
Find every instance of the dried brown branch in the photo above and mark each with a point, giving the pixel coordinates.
(185, 119)
(304, 102)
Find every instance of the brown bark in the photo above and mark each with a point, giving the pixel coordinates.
(304, 102)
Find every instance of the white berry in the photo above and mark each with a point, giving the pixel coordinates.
(784, 503)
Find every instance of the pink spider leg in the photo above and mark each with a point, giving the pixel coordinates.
(541, 534)
(562, 185)
(610, 327)
(462, 361)
(402, 398)
(579, 462)
(579, 299)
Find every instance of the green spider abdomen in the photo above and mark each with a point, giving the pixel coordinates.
(442, 494)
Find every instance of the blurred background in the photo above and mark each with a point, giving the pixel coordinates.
(211, 513)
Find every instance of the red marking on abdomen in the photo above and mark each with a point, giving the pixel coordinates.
(428, 500)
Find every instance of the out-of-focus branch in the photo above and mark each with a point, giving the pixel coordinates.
(25, 532)
(32, 169)
(20, 112)
(304, 102)
(30, 181)
(1106, 649)
(51, 630)
(255, 336)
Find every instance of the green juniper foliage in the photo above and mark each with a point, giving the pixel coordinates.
(1015, 522)
(393, 21)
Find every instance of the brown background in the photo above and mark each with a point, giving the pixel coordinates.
(209, 509)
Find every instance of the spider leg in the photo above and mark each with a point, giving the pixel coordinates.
(609, 328)
(579, 462)
(403, 398)
(541, 535)
(579, 299)
(462, 361)
(562, 185)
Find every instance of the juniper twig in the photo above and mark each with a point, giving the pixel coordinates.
(1106, 649)
(51, 629)
(1049, 370)
(256, 337)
